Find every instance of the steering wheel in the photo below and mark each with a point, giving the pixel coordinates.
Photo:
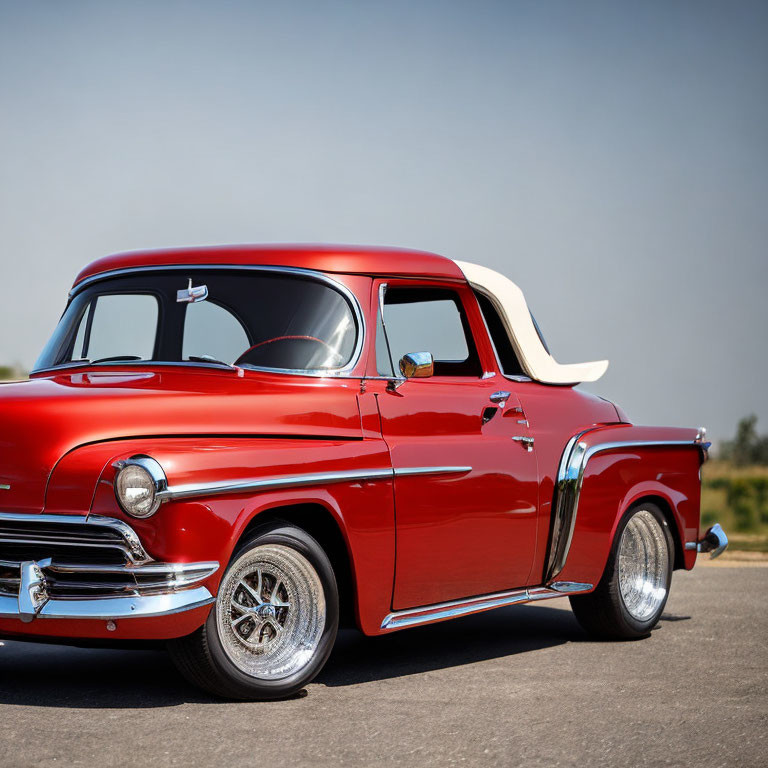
(314, 339)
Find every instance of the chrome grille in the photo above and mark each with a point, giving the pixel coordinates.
(87, 558)
(76, 538)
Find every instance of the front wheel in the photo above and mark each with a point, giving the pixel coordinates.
(630, 598)
(274, 622)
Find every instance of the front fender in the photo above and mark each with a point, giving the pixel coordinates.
(208, 525)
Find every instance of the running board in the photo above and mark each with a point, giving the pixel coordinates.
(441, 611)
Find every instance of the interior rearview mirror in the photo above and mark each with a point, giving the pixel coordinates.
(417, 365)
(192, 294)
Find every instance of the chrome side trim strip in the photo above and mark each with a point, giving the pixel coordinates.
(401, 619)
(570, 587)
(113, 607)
(404, 471)
(570, 477)
(298, 481)
(272, 483)
(454, 608)
(322, 277)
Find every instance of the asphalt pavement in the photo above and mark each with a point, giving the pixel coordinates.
(517, 686)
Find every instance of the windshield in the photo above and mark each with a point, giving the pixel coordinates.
(252, 318)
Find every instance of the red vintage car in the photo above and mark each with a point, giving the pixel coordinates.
(232, 450)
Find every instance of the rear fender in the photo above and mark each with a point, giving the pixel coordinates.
(603, 472)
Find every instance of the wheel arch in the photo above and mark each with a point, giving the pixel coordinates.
(667, 509)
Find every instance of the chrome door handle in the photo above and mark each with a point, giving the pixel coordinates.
(527, 442)
(500, 398)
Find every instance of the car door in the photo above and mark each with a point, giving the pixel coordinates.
(466, 494)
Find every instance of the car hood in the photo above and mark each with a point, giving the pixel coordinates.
(43, 419)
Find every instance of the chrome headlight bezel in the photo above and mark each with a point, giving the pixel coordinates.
(156, 483)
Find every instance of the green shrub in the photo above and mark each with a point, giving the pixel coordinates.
(743, 496)
(739, 499)
(760, 489)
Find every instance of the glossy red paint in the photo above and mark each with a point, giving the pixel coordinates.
(464, 533)
(337, 259)
(209, 528)
(411, 540)
(470, 532)
(157, 628)
(616, 479)
(554, 414)
(46, 418)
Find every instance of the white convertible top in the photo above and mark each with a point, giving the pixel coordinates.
(513, 310)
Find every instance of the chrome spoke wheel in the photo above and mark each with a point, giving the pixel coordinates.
(270, 612)
(643, 565)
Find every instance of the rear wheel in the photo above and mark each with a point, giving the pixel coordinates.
(274, 621)
(633, 591)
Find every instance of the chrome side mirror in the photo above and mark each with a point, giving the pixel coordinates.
(417, 365)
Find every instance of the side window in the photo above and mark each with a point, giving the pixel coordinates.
(118, 325)
(213, 332)
(510, 365)
(426, 320)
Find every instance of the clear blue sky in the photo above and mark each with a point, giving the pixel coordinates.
(611, 157)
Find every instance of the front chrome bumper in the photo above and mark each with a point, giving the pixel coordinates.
(715, 542)
(107, 608)
(89, 568)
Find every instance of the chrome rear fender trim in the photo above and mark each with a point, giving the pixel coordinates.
(570, 477)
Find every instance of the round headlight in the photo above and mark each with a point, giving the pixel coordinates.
(137, 483)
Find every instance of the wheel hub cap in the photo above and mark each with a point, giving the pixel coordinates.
(270, 612)
(643, 566)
